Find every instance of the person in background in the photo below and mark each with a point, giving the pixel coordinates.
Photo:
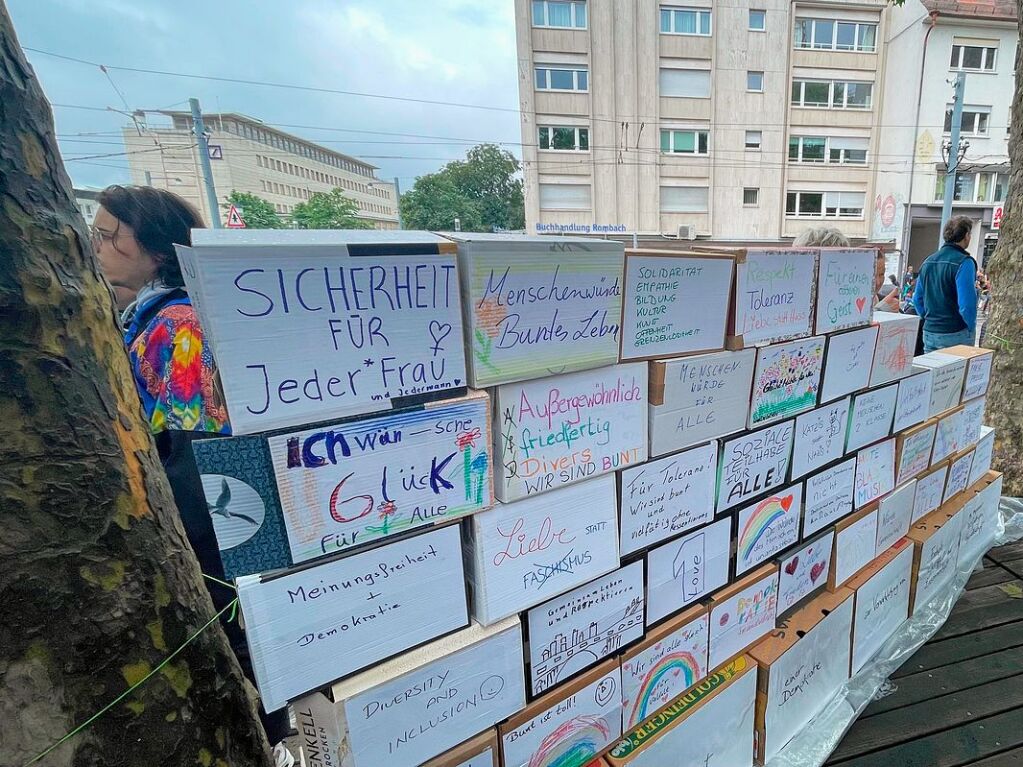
(821, 237)
(133, 236)
(885, 300)
(946, 292)
(908, 279)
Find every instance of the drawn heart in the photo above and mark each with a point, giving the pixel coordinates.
(724, 619)
(859, 304)
(815, 572)
(786, 502)
(790, 568)
(458, 381)
(439, 331)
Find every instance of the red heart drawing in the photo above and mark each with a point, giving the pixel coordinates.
(724, 619)
(815, 572)
(790, 568)
(786, 502)
(859, 304)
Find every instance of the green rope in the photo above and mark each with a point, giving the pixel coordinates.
(217, 580)
(233, 607)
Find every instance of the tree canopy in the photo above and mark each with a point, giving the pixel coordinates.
(257, 212)
(328, 210)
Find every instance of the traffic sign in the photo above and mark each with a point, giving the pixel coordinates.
(234, 219)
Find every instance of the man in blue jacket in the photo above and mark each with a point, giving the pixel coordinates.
(946, 293)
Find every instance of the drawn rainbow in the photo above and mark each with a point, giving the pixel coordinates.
(683, 662)
(573, 743)
(768, 511)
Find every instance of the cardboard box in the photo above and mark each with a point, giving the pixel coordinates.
(672, 305)
(871, 416)
(896, 342)
(804, 572)
(913, 405)
(687, 568)
(978, 371)
(882, 600)
(959, 467)
(855, 541)
(930, 487)
(670, 660)
(753, 463)
(695, 399)
(982, 454)
(974, 412)
(801, 665)
(743, 613)
(936, 553)
(786, 380)
(980, 517)
(481, 751)
(820, 437)
(767, 527)
(828, 496)
(895, 515)
(947, 383)
(847, 362)
(875, 472)
(949, 437)
(710, 725)
(845, 285)
(913, 449)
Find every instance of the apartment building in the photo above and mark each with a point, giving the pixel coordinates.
(249, 156)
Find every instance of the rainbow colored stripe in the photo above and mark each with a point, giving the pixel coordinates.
(682, 662)
(573, 743)
(768, 512)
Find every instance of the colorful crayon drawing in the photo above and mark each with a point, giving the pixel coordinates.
(489, 316)
(768, 511)
(787, 380)
(676, 664)
(573, 743)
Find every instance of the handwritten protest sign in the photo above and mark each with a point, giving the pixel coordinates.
(978, 370)
(913, 403)
(875, 472)
(563, 429)
(673, 303)
(774, 292)
(980, 519)
(820, 437)
(786, 380)
(698, 398)
(847, 361)
(578, 629)
(743, 613)
(307, 326)
(973, 421)
(845, 287)
(536, 306)
(665, 497)
(896, 342)
(828, 496)
(882, 602)
(958, 475)
(949, 438)
(913, 451)
(767, 526)
(804, 571)
(687, 568)
(855, 545)
(754, 463)
(312, 626)
(937, 542)
(929, 489)
(948, 372)
(895, 515)
(872, 413)
(982, 454)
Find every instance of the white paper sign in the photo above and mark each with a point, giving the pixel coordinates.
(978, 374)
(855, 547)
(310, 627)
(686, 569)
(896, 342)
(938, 557)
(947, 384)
(303, 330)
(673, 305)
(742, 619)
(774, 295)
(820, 437)
(872, 413)
(915, 456)
(347, 484)
(958, 476)
(982, 454)
(786, 380)
(526, 552)
(875, 472)
(882, 604)
(704, 397)
(973, 419)
(767, 526)
(845, 287)
(948, 439)
(929, 489)
(573, 730)
(668, 496)
(572, 632)
(914, 400)
(804, 571)
(847, 361)
(828, 496)
(563, 429)
(895, 515)
(655, 676)
(754, 463)
(980, 523)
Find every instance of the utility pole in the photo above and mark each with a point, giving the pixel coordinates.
(204, 158)
(397, 197)
(955, 155)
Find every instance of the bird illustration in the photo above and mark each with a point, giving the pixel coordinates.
(220, 507)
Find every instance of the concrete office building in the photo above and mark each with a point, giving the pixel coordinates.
(250, 156)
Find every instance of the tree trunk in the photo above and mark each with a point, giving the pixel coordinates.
(97, 583)
(1005, 326)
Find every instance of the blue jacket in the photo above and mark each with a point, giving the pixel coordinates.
(946, 292)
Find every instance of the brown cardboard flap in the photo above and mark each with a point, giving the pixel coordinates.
(465, 751)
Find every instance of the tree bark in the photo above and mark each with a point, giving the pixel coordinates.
(97, 583)
(1005, 326)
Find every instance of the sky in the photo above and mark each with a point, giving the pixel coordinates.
(437, 50)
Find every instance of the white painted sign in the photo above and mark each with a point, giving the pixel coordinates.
(526, 552)
(982, 454)
(937, 562)
(845, 288)
(703, 397)
(786, 380)
(686, 569)
(875, 472)
(947, 383)
(820, 437)
(307, 628)
(854, 547)
(804, 571)
(980, 523)
(768, 526)
(872, 413)
(958, 476)
(743, 618)
(563, 429)
(973, 420)
(673, 304)
(896, 342)
(882, 605)
(948, 439)
(307, 326)
(754, 463)
(828, 496)
(978, 375)
(774, 295)
(895, 515)
(847, 361)
(667, 496)
(572, 632)
(914, 400)
(915, 453)
(929, 490)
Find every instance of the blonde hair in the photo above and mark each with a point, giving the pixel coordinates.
(821, 237)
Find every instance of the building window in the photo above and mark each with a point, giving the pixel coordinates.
(559, 13)
(684, 141)
(565, 197)
(755, 82)
(684, 199)
(973, 57)
(757, 20)
(983, 188)
(750, 197)
(835, 35)
(807, 149)
(685, 21)
(848, 151)
(565, 139)
(753, 139)
(835, 94)
(685, 83)
(975, 120)
(836, 150)
(562, 79)
(824, 204)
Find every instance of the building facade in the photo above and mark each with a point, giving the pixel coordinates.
(86, 198)
(249, 156)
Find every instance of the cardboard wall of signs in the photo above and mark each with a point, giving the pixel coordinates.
(506, 499)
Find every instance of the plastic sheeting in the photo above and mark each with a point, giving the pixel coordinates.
(812, 746)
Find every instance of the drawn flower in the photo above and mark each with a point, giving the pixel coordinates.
(468, 438)
(387, 509)
(489, 315)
